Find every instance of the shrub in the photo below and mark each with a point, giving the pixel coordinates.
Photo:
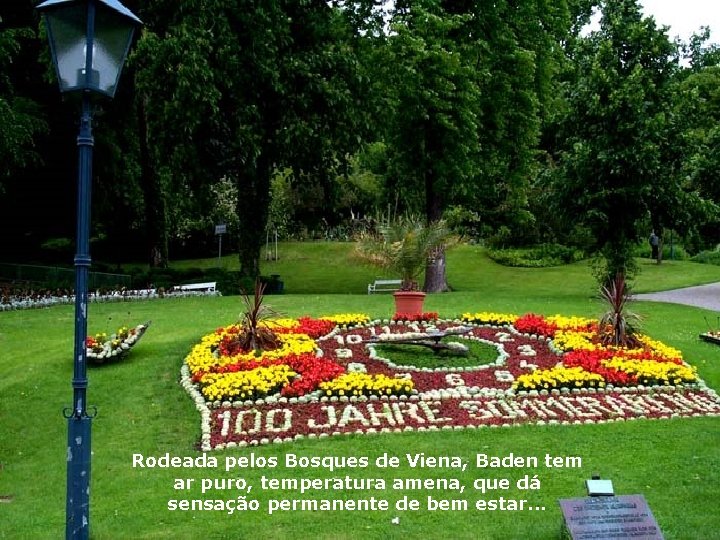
(708, 257)
(228, 282)
(537, 257)
(165, 277)
(674, 253)
(502, 238)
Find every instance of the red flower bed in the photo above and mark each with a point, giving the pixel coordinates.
(314, 328)
(312, 370)
(591, 361)
(535, 324)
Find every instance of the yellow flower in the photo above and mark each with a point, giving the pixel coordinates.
(559, 376)
(250, 384)
(347, 319)
(572, 341)
(484, 317)
(650, 372)
(660, 349)
(571, 323)
(366, 384)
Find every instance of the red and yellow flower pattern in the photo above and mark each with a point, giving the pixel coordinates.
(225, 373)
(326, 378)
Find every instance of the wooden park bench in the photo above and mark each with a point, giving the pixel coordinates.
(384, 285)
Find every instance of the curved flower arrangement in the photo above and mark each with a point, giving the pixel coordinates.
(327, 378)
(100, 348)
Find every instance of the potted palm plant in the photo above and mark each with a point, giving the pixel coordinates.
(404, 246)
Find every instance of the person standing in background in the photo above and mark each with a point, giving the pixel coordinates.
(654, 244)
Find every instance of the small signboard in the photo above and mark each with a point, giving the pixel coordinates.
(220, 229)
(602, 518)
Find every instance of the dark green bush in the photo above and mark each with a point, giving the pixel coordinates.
(708, 257)
(228, 282)
(231, 284)
(503, 237)
(536, 257)
(674, 253)
(164, 277)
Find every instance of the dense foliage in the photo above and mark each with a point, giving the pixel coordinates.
(312, 119)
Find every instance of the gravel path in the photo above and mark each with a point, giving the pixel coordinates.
(704, 296)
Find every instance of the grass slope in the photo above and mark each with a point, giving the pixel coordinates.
(142, 409)
(329, 268)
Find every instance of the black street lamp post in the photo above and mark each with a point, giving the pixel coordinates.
(89, 40)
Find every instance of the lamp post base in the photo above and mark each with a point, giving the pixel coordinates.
(77, 525)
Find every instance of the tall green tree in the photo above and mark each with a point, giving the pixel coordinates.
(174, 102)
(242, 89)
(617, 169)
(433, 128)
(21, 119)
(522, 56)
(697, 103)
(472, 83)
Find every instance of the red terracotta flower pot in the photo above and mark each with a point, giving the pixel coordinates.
(409, 302)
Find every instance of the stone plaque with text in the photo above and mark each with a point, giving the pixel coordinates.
(610, 518)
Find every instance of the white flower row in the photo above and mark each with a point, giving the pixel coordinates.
(200, 405)
(17, 303)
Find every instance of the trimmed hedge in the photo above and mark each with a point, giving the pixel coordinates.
(540, 256)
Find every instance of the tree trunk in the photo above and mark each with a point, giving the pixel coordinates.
(435, 277)
(252, 210)
(155, 207)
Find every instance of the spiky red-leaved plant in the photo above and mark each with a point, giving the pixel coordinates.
(255, 335)
(617, 324)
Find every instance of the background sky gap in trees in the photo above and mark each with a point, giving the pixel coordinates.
(685, 17)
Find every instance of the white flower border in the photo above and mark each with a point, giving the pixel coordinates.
(17, 303)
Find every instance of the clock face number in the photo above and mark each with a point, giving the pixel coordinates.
(454, 379)
(349, 339)
(526, 350)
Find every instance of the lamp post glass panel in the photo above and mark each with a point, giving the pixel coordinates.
(89, 40)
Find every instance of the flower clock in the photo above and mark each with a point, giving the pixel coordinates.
(330, 376)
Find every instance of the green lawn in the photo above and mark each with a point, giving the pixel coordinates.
(421, 356)
(328, 267)
(142, 409)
